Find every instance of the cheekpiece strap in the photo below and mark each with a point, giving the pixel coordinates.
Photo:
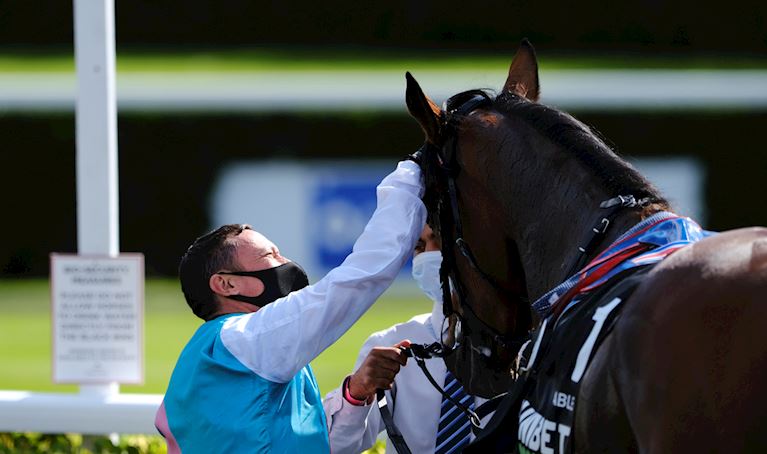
(599, 231)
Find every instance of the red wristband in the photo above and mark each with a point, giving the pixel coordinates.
(348, 396)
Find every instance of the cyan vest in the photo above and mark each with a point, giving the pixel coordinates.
(214, 403)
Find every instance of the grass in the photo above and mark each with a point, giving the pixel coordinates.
(25, 336)
(279, 60)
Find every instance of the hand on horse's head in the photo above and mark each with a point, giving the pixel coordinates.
(416, 156)
(377, 371)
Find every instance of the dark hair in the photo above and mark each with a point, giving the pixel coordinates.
(208, 255)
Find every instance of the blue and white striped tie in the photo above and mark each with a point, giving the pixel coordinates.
(454, 427)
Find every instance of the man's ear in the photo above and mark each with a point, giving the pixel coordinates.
(227, 285)
(222, 285)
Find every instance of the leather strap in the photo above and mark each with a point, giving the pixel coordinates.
(391, 429)
(420, 352)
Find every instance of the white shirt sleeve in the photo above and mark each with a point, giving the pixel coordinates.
(283, 337)
(353, 428)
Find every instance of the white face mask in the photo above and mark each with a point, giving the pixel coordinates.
(426, 274)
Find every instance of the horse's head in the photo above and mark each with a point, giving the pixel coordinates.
(514, 189)
(490, 295)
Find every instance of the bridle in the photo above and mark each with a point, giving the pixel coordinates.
(441, 160)
(449, 218)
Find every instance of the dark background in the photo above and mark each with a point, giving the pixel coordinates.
(647, 26)
(168, 161)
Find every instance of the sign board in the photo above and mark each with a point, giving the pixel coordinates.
(97, 318)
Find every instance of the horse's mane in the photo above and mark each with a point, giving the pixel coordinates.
(586, 144)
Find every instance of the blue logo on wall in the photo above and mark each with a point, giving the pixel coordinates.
(341, 209)
(342, 201)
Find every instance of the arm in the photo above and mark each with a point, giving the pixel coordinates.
(354, 428)
(283, 337)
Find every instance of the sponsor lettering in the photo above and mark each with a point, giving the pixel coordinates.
(563, 400)
(539, 435)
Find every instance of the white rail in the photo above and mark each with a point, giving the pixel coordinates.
(23, 411)
(275, 91)
(98, 408)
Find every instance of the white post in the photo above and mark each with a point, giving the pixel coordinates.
(96, 119)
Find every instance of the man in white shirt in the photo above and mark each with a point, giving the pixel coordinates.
(418, 410)
(243, 382)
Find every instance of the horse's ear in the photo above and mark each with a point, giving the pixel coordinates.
(422, 109)
(523, 73)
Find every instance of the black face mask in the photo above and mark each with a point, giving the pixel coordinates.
(278, 282)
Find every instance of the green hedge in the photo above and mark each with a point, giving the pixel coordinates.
(29, 443)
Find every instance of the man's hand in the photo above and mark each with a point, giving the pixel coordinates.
(377, 371)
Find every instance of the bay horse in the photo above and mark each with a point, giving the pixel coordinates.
(526, 198)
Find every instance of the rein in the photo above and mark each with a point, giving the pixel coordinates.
(420, 353)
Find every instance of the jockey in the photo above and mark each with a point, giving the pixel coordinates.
(243, 382)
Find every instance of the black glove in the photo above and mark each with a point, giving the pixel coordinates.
(416, 157)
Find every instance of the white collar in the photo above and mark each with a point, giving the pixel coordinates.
(436, 320)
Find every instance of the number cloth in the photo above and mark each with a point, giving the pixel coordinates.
(579, 314)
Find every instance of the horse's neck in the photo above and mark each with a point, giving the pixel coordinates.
(554, 251)
(557, 209)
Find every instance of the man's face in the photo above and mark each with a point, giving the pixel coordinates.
(428, 241)
(254, 252)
